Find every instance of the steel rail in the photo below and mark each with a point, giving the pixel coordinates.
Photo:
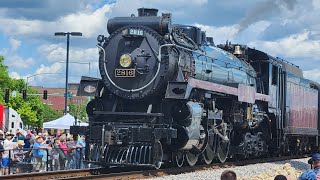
(139, 173)
(49, 175)
(147, 173)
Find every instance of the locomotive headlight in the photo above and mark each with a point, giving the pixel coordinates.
(125, 60)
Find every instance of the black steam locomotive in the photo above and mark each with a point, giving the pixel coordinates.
(169, 95)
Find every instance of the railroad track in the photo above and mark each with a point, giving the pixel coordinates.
(135, 173)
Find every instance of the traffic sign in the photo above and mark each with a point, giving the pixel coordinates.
(69, 95)
(14, 93)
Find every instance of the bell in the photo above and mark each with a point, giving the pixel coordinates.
(237, 50)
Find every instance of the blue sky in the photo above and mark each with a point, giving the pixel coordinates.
(289, 29)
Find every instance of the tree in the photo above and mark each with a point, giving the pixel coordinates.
(27, 115)
(31, 110)
(78, 110)
(49, 114)
(5, 80)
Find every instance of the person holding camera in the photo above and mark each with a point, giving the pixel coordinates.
(314, 172)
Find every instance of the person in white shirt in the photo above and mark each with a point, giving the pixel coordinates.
(8, 145)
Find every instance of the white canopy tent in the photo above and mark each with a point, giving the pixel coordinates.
(83, 123)
(62, 123)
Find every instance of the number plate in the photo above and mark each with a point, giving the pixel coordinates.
(125, 72)
(136, 32)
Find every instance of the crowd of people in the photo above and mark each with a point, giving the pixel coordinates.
(37, 152)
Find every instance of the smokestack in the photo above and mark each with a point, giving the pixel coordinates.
(147, 12)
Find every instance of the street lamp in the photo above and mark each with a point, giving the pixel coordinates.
(67, 62)
(79, 63)
(37, 75)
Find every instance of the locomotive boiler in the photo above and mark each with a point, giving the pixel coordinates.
(167, 94)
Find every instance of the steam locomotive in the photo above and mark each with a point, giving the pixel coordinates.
(168, 94)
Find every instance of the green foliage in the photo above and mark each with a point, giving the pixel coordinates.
(50, 114)
(31, 110)
(4, 77)
(78, 110)
(5, 80)
(28, 115)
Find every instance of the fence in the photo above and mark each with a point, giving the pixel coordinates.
(23, 161)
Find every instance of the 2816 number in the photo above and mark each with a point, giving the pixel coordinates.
(125, 72)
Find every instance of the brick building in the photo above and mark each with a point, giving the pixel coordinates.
(56, 96)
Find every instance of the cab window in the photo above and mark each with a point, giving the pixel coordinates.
(274, 75)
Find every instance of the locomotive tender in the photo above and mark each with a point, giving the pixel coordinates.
(169, 95)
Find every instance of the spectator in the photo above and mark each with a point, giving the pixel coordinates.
(49, 160)
(280, 177)
(71, 153)
(8, 145)
(58, 135)
(29, 136)
(19, 134)
(1, 137)
(34, 133)
(58, 157)
(228, 175)
(18, 152)
(79, 151)
(65, 149)
(15, 139)
(19, 155)
(312, 173)
(1, 148)
(37, 154)
(44, 151)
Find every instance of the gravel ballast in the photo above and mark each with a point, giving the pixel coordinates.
(291, 168)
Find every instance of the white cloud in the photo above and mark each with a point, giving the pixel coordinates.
(54, 75)
(15, 75)
(86, 64)
(88, 22)
(313, 74)
(54, 68)
(298, 32)
(10, 51)
(316, 4)
(14, 60)
(230, 33)
(219, 34)
(19, 62)
(293, 46)
(14, 43)
(57, 52)
(252, 32)
(181, 8)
